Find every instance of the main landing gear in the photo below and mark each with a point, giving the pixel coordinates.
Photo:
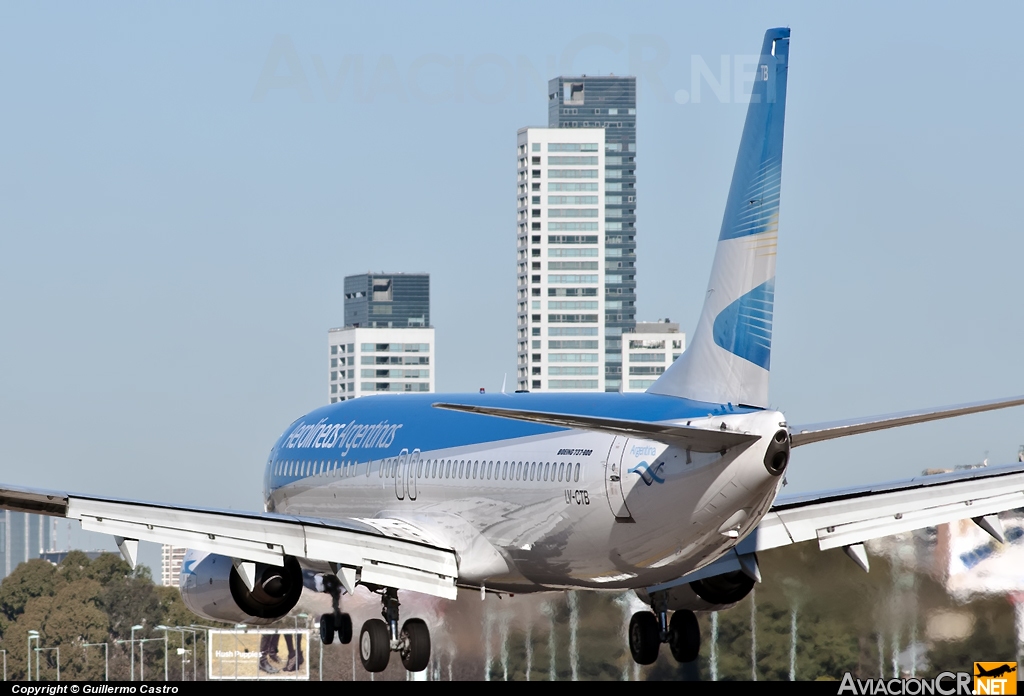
(337, 621)
(379, 639)
(648, 630)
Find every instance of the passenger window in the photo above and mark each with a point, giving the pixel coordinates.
(382, 468)
(476, 468)
(490, 469)
(577, 471)
(462, 469)
(547, 469)
(519, 472)
(561, 470)
(504, 472)
(533, 471)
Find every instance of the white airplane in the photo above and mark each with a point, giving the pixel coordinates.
(670, 493)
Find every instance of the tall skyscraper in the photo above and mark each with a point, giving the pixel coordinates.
(560, 259)
(608, 103)
(23, 536)
(387, 343)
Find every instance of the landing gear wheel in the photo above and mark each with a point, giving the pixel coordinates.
(684, 636)
(343, 625)
(374, 646)
(644, 637)
(415, 645)
(327, 629)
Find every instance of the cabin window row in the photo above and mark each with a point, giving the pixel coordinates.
(440, 468)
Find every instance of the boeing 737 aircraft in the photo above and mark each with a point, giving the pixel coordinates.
(670, 493)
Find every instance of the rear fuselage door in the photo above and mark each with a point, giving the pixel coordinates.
(613, 477)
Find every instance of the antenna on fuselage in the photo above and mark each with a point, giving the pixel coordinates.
(504, 378)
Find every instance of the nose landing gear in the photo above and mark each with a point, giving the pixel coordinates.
(648, 630)
(378, 639)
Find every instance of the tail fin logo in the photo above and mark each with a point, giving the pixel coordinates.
(744, 328)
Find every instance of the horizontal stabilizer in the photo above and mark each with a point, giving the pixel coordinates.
(818, 432)
(689, 437)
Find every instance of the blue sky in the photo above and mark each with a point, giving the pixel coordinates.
(183, 188)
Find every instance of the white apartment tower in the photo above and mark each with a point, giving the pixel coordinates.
(647, 351)
(171, 558)
(380, 361)
(560, 250)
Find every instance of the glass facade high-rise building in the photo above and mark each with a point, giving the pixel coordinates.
(387, 300)
(609, 103)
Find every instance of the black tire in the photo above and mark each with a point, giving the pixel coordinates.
(375, 645)
(684, 636)
(327, 629)
(344, 628)
(644, 637)
(415, 645)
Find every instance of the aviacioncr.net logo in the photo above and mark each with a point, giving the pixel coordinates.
(945, 684)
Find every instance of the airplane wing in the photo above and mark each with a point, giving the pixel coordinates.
(696, 439)
(818, 432)
(847, 518)
(384, 552)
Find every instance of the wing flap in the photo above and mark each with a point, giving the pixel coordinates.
(843, 518)
(392, 553)
(688, 437)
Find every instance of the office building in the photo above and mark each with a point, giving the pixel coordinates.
(387, 300)
(171, 558)
(647, 350)
(387, 343)
(24, 536)
(608, 103)
(560, 259)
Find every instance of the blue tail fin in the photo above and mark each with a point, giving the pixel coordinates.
(729, 358)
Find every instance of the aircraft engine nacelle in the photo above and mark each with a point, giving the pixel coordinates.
(715, 593)
(212, 588)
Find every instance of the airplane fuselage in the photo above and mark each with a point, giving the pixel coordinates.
(532, 507)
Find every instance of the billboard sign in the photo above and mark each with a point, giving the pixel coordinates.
(258, 654)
